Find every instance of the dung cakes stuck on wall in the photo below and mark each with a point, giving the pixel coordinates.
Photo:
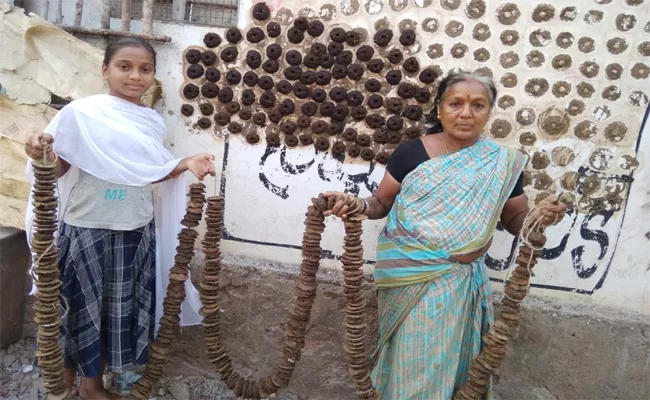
(306, 82)
(356, 79)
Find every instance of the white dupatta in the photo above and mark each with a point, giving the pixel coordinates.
(122, 143)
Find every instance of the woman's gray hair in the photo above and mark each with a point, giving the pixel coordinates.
(446, 84)
(458, 77)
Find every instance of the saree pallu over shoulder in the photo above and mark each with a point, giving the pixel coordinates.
(447, 206)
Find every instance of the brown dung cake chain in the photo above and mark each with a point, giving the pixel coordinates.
(50, 354)
(209, 292)
(305, 295)
(46, 278)
(516, 289)
(355, 315)
(159, 349)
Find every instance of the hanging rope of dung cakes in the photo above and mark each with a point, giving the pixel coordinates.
(47, 305)
(46, 276)
(159, 349)
(305, 294)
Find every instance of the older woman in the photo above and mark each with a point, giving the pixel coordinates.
(443, 194)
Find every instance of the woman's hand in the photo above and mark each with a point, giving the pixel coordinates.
(344, 205)
(552, 209)
(201, 165)
(35, 145)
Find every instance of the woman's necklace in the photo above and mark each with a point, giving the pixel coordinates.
(444, 142)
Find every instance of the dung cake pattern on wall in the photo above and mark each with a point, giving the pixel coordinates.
(572, 80)
(304, 82)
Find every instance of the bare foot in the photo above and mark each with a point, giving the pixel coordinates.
(69, 377)
(71, 394)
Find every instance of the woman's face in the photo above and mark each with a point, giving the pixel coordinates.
(465, 110)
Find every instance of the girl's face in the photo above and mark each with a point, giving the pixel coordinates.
(465, 110)
(130, 73)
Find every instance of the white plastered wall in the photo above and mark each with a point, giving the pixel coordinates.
(615, 256)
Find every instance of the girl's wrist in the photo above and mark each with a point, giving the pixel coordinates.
(180, 168)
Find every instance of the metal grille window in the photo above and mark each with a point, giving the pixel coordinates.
(209, 11)
(203, 12)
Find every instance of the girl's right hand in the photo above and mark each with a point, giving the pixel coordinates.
(201, 165)
(35, 145)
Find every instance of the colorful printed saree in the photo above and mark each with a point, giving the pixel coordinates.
(433, 312)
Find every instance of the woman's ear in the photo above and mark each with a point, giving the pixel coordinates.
(104, 72)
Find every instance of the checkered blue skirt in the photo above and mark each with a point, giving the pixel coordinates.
(108, 281)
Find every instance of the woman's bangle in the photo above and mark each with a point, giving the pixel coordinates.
(366, 206)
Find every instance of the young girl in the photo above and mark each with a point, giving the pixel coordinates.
(117, 238)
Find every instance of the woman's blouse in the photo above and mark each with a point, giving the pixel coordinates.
(410, 154)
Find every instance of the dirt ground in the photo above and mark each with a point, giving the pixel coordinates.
(19, 379)
(183, 379)
(558, 352)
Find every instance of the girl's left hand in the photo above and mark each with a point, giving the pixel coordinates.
(201, 165)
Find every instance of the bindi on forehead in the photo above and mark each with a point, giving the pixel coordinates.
(468, 89)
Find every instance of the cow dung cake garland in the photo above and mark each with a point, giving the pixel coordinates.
(355, 320)
(46, 278)
(159, 349)
(305, 294)
(46, 307)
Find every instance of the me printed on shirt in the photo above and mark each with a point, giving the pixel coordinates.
(115, 194)
(99, 204)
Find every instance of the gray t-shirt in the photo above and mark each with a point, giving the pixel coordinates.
(99, 204)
